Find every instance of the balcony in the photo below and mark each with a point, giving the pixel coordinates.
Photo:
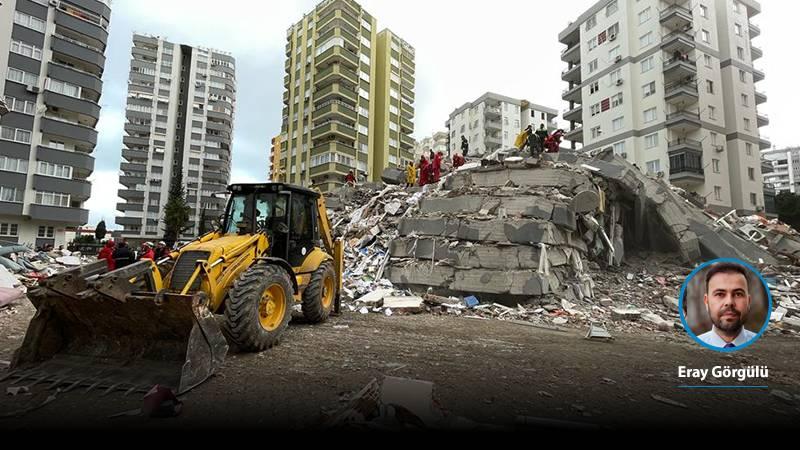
(76, 159)
(128, 181)
(686, 167)
(685, 145)
(755, 30)
(760, 97)
(79, 50)
(406, 125)
(339, 55)
(335, 109)
(493, 139)
(75, 76)
(81, 26)
(122, 207)
(676, 17)
(762, 119)
(406, 141)
(575, 135)
(333, 146)
(333, 73)
(492, 112)
(756, 52)
(678, 41)
(684, 121)
(572, 74)
(572, 54)
(335, 91)
(73, 216)
(135, 141)
(681, 94)
(69, 130)
(333, 129)
(757, 75)
(575, 114)
(79, 190)
(76, 105)
(493, 125)
(339, 32)
(572, 94)
(679, 68)
(135, 155)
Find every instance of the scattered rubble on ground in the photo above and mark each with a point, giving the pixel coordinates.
(565, 240)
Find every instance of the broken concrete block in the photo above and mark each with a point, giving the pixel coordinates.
(374, 298)
(606, 302)
(563, 216)
(414, 396)
(560, 321)
(778, 314)
(421, 274)
(529, 284)
(404, 304)
(790, 323)
(585, 201)
(393, 175)
(625, 314)
(671, 302)
(655, 319)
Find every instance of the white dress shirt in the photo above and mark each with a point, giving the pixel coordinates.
(713, 339)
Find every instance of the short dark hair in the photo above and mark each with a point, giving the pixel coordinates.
(725, 267)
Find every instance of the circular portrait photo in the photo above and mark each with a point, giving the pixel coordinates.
(725, 305)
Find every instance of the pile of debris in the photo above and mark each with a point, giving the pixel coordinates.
(784, 287)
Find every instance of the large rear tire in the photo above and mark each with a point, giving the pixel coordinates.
(259, 307)
(320, 295)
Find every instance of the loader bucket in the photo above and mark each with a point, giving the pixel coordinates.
(98, 331)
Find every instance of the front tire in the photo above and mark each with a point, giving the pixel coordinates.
(320, 295)
(259, 307)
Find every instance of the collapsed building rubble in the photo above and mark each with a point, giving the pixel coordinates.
(547, 241)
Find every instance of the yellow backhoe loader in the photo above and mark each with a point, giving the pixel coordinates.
(169, 322)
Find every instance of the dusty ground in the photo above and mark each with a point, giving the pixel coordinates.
(488, 371)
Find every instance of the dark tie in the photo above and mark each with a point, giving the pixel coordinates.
(729, 345)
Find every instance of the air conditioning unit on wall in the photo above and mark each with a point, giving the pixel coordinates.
(617, 59)
(612, 37)
(32, 89)
(619, 82)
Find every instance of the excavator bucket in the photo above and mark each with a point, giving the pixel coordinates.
(113, 331)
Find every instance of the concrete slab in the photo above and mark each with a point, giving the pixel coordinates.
(585, 201)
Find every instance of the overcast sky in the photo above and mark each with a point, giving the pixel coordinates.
(463, 49)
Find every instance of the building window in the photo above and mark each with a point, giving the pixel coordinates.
(595, 109)
(20, 106)
(748, 149)
(63, 88)
(650, 115)
(613, 54)
(615, 76)
(612, 7)
(13, 164)
(9, 229)
(649, 89)
(619, 148)
(703, 11)
(29, 21)
(363, 129)
(52, 199)
(746, 124)
(707, 60)
(706, 36)
(709, 86)
(712, 113)
(647, 64)
(591, 22)
(644, 16)
(596, 132)
(15, 134)
(745, 101)
(752, 199)
(742, 76)
(592, 44)
(738, 29)
(651, 140)
(616, 100)
(592, 65)
(646, 39)
(717, 192)
(740, 52)
(613, 30)
(751, 173)
(594, 87)
(54, 170)
(617, 123)
(31, 51)
(45, 232)
(715, 165)
(20, 76)
(654, 166)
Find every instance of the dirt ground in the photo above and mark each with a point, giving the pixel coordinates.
(488, 371)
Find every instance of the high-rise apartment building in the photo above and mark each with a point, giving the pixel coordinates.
(52, 55)
(180, 112)
(671, 86)
(783, 169)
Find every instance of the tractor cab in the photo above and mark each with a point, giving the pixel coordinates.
(287, 214)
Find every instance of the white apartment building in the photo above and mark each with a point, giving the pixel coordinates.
(671, 86)
(493, 121)
(180, 112)
(436, 142)
(52, 57)
(785, 169)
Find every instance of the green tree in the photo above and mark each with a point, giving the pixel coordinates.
(788, 206)
(100, 231)
(176, 211)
